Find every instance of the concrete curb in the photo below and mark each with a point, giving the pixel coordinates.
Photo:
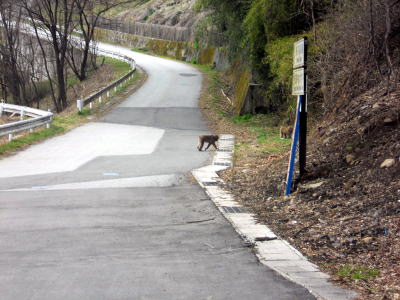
(271, 251)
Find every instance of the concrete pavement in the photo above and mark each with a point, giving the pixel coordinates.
(68, 152)
(124, 221)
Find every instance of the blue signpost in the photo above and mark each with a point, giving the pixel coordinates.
(299, 89)
(292, 161)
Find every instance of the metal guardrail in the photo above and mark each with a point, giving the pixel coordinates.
(83, 102)
(41, 117)
(98, 95)
(38, 118)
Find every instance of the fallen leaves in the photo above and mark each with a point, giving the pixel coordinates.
(346, 210)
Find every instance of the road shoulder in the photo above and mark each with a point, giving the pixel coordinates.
(271, 250)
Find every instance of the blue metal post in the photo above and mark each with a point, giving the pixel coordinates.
(289, 179)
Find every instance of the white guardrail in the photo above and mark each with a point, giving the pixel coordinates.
(98, 95)
(41, 117)
(38, 118)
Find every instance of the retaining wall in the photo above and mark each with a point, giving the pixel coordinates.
(240, 74)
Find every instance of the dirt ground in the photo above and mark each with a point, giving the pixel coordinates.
(4, 119)
(345, 213)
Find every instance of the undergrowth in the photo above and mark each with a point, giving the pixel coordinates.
(357, 272)
(255, 133)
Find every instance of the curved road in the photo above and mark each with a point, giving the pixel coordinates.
(107, 211)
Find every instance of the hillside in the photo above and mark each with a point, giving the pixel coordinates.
(346, 212)
(178, 13)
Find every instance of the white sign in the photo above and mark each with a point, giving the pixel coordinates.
(298, 82)
(299, 54)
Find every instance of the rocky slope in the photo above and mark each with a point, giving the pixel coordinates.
(171, 12)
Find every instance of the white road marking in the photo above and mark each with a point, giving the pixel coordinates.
(142, 181)
(110, 174)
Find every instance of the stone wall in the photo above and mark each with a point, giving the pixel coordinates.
(164, 32)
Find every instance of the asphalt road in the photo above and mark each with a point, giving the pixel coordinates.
(107, 211)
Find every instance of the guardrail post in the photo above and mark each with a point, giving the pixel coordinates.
(10, 137)
(108, 94)
(90, 105)
(51, 119)
(100, 99)
(1, 109)
(22, 114)
(79, 104)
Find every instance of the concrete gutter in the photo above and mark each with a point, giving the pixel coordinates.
(271, 250)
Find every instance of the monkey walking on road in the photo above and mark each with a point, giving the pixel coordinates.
(210, 139)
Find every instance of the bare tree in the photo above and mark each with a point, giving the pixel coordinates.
(52, 21)
(19, 58)
(3, 86)
(389, 6)
(314, 10)
(36, 82)
(10, 18)
(359, 49)
(89, 12)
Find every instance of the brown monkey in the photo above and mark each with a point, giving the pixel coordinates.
(210, 139)
(286, 132)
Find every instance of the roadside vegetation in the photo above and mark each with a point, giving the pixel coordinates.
(344, 213)
(110, 70)
(51, 71)
(255, 133)
(344, 216)
(39, 50)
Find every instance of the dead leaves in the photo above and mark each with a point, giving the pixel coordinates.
(344, 213)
